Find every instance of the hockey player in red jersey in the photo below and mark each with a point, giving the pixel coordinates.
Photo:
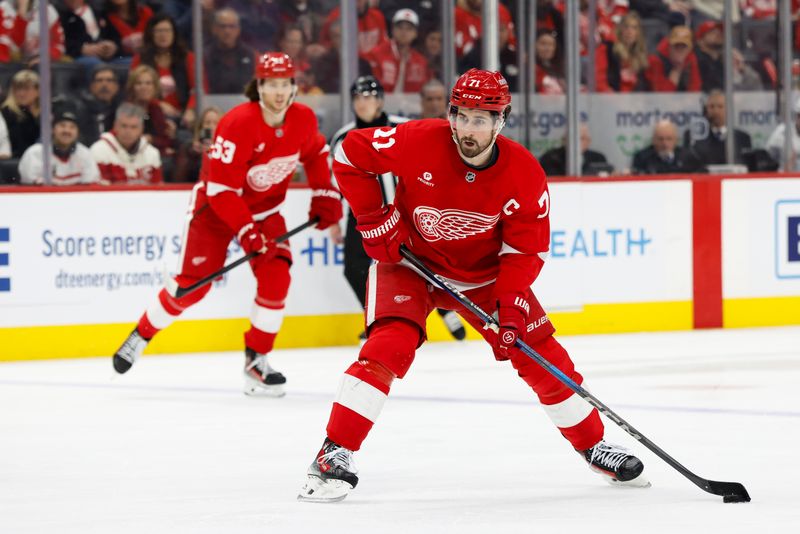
(244, 178)
(474, 206)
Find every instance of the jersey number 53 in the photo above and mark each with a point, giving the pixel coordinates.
(222, 149)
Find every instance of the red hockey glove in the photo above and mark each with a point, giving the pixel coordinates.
(382, 232)
(512, 316)
(327, 205)
(252, 240)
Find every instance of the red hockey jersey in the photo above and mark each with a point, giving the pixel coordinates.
(470, 225)
(246, 172)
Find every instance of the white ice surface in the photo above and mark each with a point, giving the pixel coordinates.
(461, 446)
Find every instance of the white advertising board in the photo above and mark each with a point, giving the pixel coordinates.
(100, 257)
(760, 238)
(618, 242)
(87, 258)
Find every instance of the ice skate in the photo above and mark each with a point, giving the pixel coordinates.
(331, 476)
(453, 324)
(129, 352)
(617, 464)
(261, 380)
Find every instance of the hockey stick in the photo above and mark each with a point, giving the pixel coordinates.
(730, 491)
(179, 292)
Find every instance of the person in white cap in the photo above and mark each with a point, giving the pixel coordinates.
(399, 67)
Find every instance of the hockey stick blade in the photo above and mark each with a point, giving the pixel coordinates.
(730, 491)
(183, 291)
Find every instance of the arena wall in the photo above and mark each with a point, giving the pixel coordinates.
(628, 254)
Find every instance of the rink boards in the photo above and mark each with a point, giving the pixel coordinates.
(78, 267)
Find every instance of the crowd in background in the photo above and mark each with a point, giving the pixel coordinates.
(139, 53)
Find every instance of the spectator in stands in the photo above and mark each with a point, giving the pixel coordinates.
(143, 89)
(228, 54)
(508, 58)
(5, 140)
(550, 19)
(745, 78)
(434, 98)
(87, 40)
(190, 154)
(554, 161)
(292, 41)
(710, 40)
(468, 24)
(708, 143)
(126, 21)
(21, 111)
(664, 156)
(308, 15)
(166, 52)
(97, 105)
(371, 27)
(620, 66)
(181, 13)
(399, 67)
(123, 155)
(19, 32)
(673, 68)
(260, 20)
(72, 162)
(326, 67)
(432, 50)
(549, 65)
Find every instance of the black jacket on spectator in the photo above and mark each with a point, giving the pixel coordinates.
(711, 150)
(711, 71)
(75, 34)
(23, 131)
(554, 161)
(237, 64)
(94, 117)
(647, 161)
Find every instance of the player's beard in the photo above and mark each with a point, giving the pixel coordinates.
(470, 146)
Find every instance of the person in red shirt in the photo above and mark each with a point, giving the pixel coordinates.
(399, 67)
(673, 68)
(469, 24)
(244, 179)
(371, 27)
(474, 206)
(126, 21)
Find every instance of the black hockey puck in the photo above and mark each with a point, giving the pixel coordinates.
(735, 498)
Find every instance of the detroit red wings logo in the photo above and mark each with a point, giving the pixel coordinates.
(262, 177)
(436, 224)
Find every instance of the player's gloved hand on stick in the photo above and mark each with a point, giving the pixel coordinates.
(512, 316)
(382, 233)
(327, 205)
(252, 240)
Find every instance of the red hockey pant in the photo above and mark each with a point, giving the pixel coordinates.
(204, 251)
(398, 302)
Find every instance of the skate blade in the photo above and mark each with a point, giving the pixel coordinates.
(254, 388)
(639, 482)
(323, 491)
